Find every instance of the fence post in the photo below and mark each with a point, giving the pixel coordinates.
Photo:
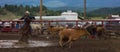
(76, 23)
(102, 23)
(49, 23)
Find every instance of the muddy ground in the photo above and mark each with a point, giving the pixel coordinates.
(81, 45)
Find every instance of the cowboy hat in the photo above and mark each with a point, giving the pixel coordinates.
(27, 12)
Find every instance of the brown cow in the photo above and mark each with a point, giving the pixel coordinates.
(71, 35)
(53, 30)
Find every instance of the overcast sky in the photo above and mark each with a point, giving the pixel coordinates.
(63, 3)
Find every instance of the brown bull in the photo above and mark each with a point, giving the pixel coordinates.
(71, 35)
(54, 30)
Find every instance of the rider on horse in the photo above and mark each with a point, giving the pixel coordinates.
(26, 28)
(26, 15)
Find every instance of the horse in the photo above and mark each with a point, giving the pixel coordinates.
(67, 36)
(25, 31)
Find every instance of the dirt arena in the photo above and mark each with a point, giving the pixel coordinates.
(81, 45)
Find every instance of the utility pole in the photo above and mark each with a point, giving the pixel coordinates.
(40, 9)
(84, 8)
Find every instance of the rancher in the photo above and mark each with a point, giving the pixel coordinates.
(25, 35)
(27, 15)
(94, 30)
(91, 29)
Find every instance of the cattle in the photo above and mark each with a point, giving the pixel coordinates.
(36, 28)
(53, 30)
(71, 34)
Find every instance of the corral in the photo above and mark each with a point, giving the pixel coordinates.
(82, 45)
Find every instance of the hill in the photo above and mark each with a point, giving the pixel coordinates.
(80, 9)
(9, 12)
(7, 15)
(105, 11)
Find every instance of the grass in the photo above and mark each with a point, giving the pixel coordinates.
(9, 17)
(96, 18)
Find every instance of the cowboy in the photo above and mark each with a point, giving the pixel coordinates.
(27, 15)
(26, 18)
(91, 29)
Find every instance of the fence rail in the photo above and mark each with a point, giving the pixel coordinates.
(109, 24)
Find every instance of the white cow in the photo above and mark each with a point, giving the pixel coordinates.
(36, 28)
